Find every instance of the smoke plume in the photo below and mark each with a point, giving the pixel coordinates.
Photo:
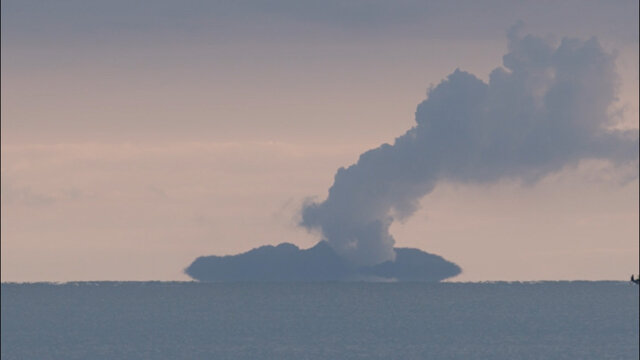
(548, 107)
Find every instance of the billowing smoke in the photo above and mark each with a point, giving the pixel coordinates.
(548, 107)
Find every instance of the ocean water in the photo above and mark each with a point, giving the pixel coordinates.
(159, 320)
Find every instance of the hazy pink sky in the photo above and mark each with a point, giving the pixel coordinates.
(137, 136)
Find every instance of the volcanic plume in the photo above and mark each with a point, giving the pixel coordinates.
(547, 107)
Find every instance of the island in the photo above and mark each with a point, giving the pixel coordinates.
(287, 262)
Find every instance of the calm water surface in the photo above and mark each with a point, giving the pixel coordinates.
(158, 320)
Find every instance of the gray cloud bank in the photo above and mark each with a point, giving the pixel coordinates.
(548, 107)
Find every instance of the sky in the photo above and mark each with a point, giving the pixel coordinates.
(137, 136)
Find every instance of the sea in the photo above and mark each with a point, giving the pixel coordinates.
(341, 320)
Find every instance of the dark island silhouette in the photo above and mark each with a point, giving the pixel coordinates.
(287, 262)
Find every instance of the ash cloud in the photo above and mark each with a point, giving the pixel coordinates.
(548, 107)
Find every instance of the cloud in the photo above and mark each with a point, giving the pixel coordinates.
(548, 107)
(11, 194)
